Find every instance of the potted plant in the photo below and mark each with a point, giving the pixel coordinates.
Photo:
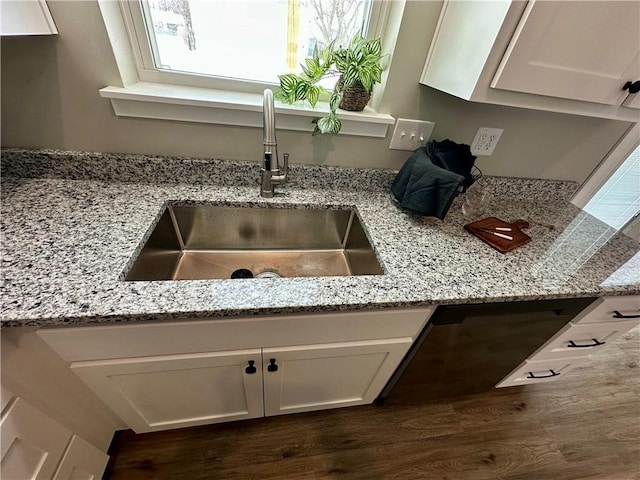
(360, 67)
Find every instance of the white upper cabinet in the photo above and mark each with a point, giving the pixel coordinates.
(26, 17)
(571, 57)
(591, 60)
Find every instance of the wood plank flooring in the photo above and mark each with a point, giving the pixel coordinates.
(583, 427)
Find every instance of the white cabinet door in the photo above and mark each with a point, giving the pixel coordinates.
(559, 56)
(172, 391)
(31, 443)
(26, 17)
(580, 50)
(318, 377)
(81, 461)
(6, 396)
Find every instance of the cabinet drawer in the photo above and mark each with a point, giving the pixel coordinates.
(540, 371)
(167, 338)
(32, 443)
(582, 339)
(611, 309)
(81, 460)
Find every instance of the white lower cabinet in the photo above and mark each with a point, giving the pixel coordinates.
(178, 374)
(172, 391)
(81, 461)
(588, 333)
(583, 339)
(36, 447)
(539, 371)
(318, 377)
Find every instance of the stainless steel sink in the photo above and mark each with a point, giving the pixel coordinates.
(207, 242)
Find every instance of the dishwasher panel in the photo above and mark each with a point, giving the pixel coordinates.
(467, 349)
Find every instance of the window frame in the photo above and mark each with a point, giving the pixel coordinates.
(629, 141)
(144, 48)
(191, 98)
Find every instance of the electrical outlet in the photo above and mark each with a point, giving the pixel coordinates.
(410, 134)
(485, 140)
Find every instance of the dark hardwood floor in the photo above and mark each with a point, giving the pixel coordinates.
(585, 426)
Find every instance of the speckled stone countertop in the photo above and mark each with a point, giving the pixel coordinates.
(73, 222)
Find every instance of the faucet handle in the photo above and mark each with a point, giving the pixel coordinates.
(285, 157)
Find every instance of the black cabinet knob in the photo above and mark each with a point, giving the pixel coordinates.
(272, 365)
(251, 368)
(633, 87)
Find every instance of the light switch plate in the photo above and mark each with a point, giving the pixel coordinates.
(410, 134)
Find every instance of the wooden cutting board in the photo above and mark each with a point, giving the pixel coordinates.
(485, 230)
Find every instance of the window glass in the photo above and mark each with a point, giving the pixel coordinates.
(254, 40)
(618, 200)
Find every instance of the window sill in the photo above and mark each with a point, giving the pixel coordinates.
(203, 105)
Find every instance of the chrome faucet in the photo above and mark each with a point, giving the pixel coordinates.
(270, 173)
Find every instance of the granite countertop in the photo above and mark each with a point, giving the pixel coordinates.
(73, 222)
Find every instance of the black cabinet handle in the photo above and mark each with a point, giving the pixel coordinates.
(633, 87)
(553, 374)
(596, 343)
(617, 314)
(272, 365)
(251, 368)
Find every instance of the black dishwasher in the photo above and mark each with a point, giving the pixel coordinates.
(467, 349)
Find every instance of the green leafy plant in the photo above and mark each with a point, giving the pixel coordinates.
(358, 63)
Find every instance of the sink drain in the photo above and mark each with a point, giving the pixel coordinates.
(268, 274)
(241, 273)
(246, 273)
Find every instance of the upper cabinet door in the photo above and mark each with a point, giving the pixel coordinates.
(558, 56)
(582, 51)
(26, 17)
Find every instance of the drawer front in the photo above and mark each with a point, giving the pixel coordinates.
(582, 339)
(530, 372)
(81, 460)
(139, 340)
(32, 443)
(611, 309)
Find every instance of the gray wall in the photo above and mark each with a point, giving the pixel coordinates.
(50, 100)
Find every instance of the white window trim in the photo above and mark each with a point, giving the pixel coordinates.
(140, 96)
(616, 156)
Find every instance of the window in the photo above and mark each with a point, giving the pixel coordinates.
(612, 192)
(239, 44)
(618, 200)
(247, 40)
(171, 75)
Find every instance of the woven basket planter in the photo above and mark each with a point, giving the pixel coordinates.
(354, 98)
